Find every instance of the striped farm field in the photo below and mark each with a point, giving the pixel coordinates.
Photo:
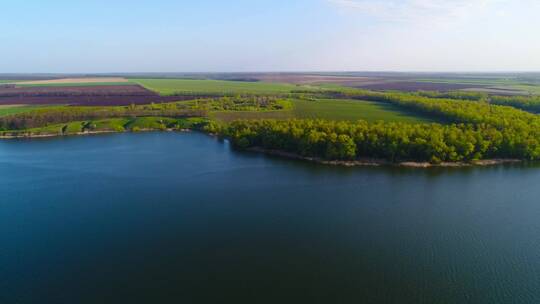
(208, 87)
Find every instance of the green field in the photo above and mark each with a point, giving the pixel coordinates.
(353, 110)
(202, 87)
(531, 89)
(7, 81)
(332, 109)
(514, 86)
(16, 109)
(228, 116)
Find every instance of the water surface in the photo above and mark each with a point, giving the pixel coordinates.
(180, 218)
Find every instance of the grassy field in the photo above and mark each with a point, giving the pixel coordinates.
(202, 87)
(494, 84)
(228, 116)
(531, 89)
(7, 81)
(331, 109)
(16, 109)
(352, 110)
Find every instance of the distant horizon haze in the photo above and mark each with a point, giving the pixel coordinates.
(210, 36)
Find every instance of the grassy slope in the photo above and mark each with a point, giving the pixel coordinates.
(331, 109)
(188, 86)
(117, 125)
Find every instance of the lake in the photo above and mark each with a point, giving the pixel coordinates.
(182, 218)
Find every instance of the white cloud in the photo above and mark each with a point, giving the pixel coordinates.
(418, 11)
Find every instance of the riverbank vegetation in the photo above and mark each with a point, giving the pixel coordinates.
(329, 122)
(136, 124)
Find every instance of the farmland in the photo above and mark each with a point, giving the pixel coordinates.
(412, 86)
(75, 84)
(16, 109)
(81, 95)
(418, 126)
(73, 81)
(353, 110)
(168, 87)
(330, 109)
(502, 85)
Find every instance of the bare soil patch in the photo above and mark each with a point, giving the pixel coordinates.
(83, 95)
(75, 80)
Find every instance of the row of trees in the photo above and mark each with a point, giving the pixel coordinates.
(56, 115)
(526, 103)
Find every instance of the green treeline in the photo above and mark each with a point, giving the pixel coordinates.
(526, 103)
(392, 141)
(463, 95)
(56, 115)
(454, 110)
(193, 108)
(478, 130)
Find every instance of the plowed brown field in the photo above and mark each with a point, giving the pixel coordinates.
(83, 95)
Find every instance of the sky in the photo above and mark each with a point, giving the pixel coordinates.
(66, 36)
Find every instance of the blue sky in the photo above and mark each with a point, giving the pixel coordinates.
(264, 35)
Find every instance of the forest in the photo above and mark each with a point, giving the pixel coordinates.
(475, 130)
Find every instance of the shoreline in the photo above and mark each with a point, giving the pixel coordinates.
(371, 162)
(51, 135)
(365, 162)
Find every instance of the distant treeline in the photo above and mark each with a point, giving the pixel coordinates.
(526, 103)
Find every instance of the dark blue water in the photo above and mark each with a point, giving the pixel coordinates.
(180, 218)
